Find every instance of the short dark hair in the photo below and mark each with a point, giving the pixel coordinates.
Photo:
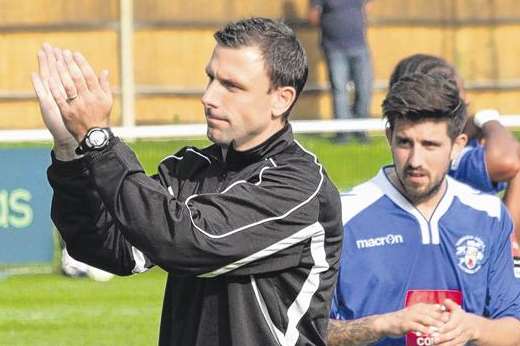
(284, 56)
(418, 97)
(425, 64)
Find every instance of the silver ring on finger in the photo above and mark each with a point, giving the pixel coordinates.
(71, 98)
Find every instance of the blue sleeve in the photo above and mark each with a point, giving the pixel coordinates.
(470, 168)
(503, 288)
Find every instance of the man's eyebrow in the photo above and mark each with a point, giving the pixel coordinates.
(232, 82)
(432, 142)
(225, 81)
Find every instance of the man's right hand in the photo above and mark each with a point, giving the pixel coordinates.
(422, 318)
(64, 142)
(419, 318)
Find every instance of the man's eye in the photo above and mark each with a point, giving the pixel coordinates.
(230, 86)
(431, 146)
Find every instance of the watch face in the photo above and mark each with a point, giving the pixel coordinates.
(97, 138)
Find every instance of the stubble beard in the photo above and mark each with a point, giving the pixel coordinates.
(421, 195)
(218, 136)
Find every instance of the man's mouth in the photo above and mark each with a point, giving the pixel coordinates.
(215, 119)
(416, 176)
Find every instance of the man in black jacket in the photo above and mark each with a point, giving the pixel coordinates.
(249, 229)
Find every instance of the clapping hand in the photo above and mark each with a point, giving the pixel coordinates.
(49, 109)
(72, 97)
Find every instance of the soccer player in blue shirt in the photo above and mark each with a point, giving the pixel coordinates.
(491, 158)
(426, 260)
(490, 162)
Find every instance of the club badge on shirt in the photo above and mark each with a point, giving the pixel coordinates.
(470, 252)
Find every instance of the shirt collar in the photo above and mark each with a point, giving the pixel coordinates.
(429, 228)
(272, 146)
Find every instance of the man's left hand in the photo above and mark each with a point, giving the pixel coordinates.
(460, 329)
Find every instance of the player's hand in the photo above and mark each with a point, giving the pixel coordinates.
(419, 318)
(83, 98)
(460, 329)
(49, 109)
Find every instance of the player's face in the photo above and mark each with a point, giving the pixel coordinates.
(422, 152)
(238, 101)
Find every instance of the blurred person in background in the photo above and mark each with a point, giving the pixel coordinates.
(343, 40)
(248, 229)
(426, 260)
(490, 162)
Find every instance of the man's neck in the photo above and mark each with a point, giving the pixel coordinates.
(224, 149)
(425, 206)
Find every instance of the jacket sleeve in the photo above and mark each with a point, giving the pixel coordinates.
(84, 223)
(257, 225)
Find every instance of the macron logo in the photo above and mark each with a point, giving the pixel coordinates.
(389, 239)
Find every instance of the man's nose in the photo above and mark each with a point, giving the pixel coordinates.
(416, 157)
(210, 97)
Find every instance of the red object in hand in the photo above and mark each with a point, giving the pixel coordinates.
(429, 297)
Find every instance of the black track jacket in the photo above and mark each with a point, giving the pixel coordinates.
(251, 244)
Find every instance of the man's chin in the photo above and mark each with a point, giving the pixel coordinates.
(217, 137)
(416, 196)
(420, 194)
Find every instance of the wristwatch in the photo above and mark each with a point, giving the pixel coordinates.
(96, 139)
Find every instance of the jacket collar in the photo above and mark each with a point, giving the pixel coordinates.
(272, 146)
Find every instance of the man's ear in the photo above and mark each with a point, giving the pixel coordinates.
(458, 144)
(388, 132)
(281, 100)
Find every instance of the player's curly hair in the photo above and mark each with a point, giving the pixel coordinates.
(417, 97)
(284, 56)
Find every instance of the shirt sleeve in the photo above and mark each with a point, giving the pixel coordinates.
(470, 168)
(85, 225)
(504, 289)
(269, 221)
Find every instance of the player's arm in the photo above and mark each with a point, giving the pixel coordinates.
(75, 208)
(356, 332)
(88, 229)
(314, 12)
(501, 332)
(502, 150)
(512, 202)
(418, 318)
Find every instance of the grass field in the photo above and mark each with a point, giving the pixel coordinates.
(49, 309)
